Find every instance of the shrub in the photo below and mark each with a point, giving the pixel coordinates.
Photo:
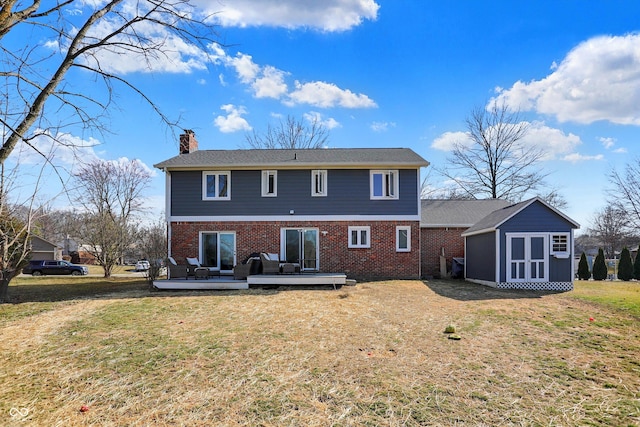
(625, 266)
(583, 268)
(599, 266)
(636, 268)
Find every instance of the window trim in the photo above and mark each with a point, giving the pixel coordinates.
(322, 174)
(552, 241)
(217, 174)
(359, 229)
(265, 183)
(406, 228)
(387, 193)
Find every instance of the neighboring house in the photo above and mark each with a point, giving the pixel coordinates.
(355, 211)
(441, 228)
(528, 245)
(42, 249)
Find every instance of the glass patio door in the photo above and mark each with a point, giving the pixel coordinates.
(527, 258)
(301, 246)
(218, 250)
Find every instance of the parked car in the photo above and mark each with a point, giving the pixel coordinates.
(38, 268)
(142, 265)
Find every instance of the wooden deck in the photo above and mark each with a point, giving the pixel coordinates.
(228, 282)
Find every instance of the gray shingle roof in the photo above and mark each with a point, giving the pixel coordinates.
(498, 217)
(293, 158)
(457, 213)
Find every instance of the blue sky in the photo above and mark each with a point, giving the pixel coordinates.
(398, 73)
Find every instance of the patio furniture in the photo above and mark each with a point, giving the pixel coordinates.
(197, 270)
(290, 268)
(270, 263)
(177, 271)
(242, 271)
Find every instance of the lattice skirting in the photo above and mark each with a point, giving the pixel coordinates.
(537, 286)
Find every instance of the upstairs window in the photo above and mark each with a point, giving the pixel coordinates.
(269, 183)
(318, 183)
(359, 237)
(384, 184)
(216, 185)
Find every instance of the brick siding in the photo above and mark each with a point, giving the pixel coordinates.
(432, 241)
(380, 261)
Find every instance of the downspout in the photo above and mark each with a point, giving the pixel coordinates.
(167, 208)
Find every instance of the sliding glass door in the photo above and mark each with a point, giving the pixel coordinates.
(301, 246)
(218, 250)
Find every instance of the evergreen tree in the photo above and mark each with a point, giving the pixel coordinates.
(583, 268)
(625, 267)
(599, 266)
(636, 268)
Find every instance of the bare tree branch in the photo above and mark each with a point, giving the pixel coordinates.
(291, 133)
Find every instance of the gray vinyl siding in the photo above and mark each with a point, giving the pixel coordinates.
(537, 218)
(480, 257)
(347, 194)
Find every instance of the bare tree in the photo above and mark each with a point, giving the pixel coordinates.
(625, 191)
(496, 165)
(291, 133)
(38, 83)
(46, 48)
(112, 195)
(610, 227)
(153, 242)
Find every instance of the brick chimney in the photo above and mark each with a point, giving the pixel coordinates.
(188, 142)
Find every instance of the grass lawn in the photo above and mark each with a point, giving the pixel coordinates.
(373, 354)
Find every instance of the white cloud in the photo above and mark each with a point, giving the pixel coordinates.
(554, 143)
(233, 121)
(61, 150)
(382, 126)
(576, 157)
(620, 150)
(326, 95)
(607, 142)
(328, 123)
(165, 52)
(597, 80)
(325, 15)
(271, 84)
(246, 69)
(448, 140)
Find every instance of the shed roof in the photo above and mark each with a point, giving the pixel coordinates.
(296, 158)
(457, 213)
(496, 218)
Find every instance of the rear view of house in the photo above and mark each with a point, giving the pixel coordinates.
(355, 211)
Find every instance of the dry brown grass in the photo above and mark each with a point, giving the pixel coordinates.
(374, 354)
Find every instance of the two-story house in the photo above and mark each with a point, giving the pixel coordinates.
(355, 211)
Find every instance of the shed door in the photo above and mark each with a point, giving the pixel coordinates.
(527, 256)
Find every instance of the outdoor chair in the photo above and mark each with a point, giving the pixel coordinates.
(196, 269)
(177, 271)
(242, 271)
(270, 263)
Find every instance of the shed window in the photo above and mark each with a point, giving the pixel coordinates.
(560, 245)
